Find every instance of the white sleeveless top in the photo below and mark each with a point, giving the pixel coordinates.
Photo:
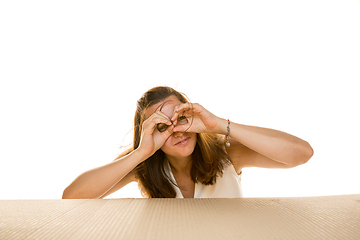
(227, 186)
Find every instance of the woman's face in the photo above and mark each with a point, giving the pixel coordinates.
(179, 144)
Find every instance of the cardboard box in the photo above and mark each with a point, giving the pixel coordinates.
(330, 217)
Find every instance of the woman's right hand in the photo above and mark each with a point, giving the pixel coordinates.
(151, 138)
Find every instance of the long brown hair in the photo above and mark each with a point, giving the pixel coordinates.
(209, 156)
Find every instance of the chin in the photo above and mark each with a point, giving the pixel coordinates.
(184, 154)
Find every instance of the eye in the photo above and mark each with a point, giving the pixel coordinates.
(182, 120)
(162, 127)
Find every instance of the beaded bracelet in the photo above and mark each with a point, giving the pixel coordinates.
(227, 144)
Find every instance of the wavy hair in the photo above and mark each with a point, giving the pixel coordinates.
(208, 156)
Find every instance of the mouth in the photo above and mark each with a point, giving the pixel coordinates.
(183, 141)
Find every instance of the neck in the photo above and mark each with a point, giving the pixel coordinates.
(180, 164)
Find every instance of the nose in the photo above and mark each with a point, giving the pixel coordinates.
(178, 134)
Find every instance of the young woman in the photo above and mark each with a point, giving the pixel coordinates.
(182, 150)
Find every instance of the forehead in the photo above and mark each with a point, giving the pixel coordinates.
(166, 106)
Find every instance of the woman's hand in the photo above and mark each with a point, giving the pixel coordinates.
(191, 117)
(153, 138)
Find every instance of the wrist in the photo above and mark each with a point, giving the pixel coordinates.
(140, 155)
(222, 126)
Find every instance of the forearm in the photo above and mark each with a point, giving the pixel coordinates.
(95, 182)
(276, 145)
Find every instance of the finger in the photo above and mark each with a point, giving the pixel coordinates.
(154, 120)
(181, 128)
(169, 131)
(160, 115)
(164, 115)
(161, 137)
(164, 135)
(175, 115)
(183, 107)
(163, 126)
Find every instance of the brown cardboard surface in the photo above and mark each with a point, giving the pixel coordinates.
(330, 217)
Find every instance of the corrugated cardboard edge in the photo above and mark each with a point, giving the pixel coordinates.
(331, 217)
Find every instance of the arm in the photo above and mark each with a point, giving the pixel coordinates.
(95, 182)
(250, 146)
(263, 147)
(101, 181)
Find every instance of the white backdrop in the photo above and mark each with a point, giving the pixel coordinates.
(71, 72)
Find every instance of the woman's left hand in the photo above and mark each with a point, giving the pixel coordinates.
(192, 117)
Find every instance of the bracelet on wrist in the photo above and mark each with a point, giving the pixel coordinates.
(227, 143)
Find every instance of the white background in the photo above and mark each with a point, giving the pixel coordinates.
(71, 72)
